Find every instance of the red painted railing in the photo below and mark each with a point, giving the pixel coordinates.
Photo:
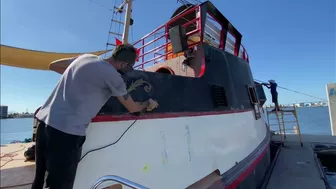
(155, 47)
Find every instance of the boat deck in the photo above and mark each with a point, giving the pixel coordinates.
(14, 170)
(295, 167)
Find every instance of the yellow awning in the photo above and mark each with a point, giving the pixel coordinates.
(39, 60)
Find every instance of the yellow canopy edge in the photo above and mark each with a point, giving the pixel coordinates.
(39, 60)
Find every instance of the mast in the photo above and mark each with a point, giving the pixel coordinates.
(127, 21)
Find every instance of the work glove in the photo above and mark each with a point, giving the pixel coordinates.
(152, 104)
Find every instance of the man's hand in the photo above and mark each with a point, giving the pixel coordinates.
(152, 104)
(265, 84)
(133, 107)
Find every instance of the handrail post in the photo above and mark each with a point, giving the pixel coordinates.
(118, 179)
(143, 52)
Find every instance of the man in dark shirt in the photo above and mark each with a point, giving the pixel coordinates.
(273, 86)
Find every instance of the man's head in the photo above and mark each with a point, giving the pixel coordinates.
(271, 81)
(123, 58)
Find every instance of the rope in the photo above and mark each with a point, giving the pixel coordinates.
(101, 5)
(298, 92)
(10, 155)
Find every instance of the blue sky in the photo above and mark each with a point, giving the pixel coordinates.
(290, 41)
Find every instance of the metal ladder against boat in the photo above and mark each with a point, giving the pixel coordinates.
(117, 179)
(281, 120)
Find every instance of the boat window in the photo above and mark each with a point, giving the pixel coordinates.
(230, 43)
(212, 31)
(260, 93)
(254, 102)
(253, 95)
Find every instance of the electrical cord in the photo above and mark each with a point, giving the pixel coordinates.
(108, 145)
(10, 155)
(93, 150)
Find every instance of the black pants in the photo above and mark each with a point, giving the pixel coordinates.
(58, 153)
(275, 100)
(274, 97)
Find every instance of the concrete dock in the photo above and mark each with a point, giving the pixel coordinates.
(14, 170)
(296, 167)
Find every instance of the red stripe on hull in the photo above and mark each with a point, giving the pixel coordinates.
(106, 118)
(243, 176)
(221, 184)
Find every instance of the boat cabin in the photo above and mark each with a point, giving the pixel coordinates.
(195, 66)
(195, 59)
(176, 46)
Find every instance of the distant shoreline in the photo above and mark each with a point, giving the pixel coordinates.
(32, 115)
(298, 106)
(18, 117)
(311, 106)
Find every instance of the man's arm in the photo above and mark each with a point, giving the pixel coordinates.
(266, 85)
(118, 88)
(60, 65)
(132, 106)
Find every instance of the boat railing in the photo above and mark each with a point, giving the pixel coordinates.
(155, 47)
(117, 179)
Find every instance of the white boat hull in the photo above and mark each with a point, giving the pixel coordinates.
(168, 153)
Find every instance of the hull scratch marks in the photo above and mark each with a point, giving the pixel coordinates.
(164, 153)
(188, 141)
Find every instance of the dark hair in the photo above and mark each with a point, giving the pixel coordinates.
(125, 52)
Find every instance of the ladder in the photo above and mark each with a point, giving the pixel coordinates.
(284, 117)
(120, 29)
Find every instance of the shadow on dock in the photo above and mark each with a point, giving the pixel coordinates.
(17, 177)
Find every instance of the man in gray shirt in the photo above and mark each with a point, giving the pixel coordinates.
(86, 84)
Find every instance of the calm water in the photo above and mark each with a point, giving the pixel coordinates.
(312, 120)
(332, 180)
(16, 129)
